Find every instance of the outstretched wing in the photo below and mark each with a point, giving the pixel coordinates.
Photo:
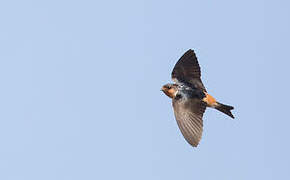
(187, 70)
(188, 114)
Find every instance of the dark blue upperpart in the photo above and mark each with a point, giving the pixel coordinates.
(189, 91)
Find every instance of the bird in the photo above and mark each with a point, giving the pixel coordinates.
(190, 98)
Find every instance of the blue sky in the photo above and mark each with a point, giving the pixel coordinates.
(80, 96)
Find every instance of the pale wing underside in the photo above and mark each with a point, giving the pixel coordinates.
(188, 115)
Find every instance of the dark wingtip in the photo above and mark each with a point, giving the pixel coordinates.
(189, 51)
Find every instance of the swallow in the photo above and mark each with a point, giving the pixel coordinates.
(190, 98)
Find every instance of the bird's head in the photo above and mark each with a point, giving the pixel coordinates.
(170, 90)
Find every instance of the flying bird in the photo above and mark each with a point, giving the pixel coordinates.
(190, 98)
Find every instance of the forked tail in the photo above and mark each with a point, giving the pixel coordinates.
(225, 109)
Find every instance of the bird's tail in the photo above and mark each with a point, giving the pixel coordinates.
(225, 109)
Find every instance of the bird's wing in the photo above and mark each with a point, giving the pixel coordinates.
(188, 114)
(187, 70)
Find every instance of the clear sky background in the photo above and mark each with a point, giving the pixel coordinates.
(80, 89)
